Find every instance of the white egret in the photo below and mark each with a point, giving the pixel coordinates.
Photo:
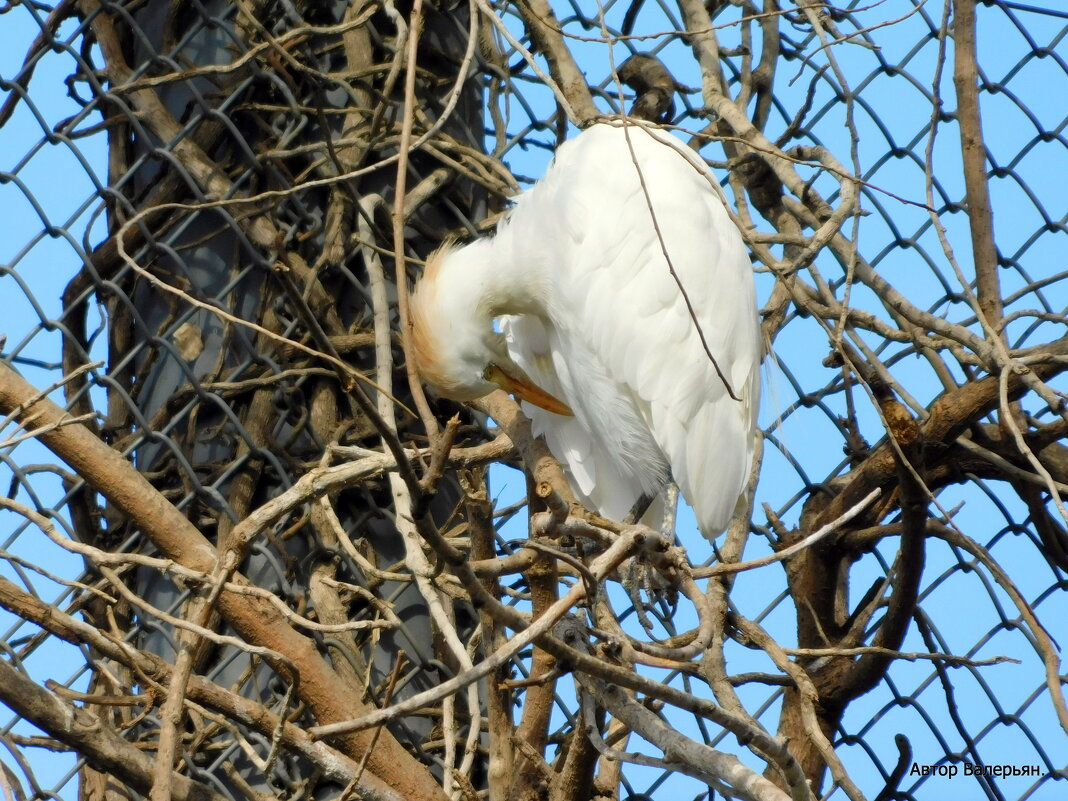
(628, 386)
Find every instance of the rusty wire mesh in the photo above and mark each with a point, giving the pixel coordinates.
(221, 418)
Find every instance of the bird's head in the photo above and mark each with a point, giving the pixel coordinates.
(454, 346)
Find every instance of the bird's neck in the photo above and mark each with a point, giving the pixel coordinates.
(491, 278)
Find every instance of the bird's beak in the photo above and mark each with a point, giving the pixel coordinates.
(523, 388)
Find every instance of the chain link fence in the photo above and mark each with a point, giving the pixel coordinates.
(197, 265)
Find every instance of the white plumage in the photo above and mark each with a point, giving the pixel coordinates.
(589, 313)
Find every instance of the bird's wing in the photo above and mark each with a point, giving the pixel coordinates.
(617, 299)
(593, 469)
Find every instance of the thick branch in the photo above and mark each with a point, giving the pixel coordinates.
(949, 416)
(84, 732)
(255, 619)
(236, 707)
(545, 30)
(973, 153)
(866, 672)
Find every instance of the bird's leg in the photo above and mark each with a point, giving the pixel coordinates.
(635, 574)
(640, 507)
(634, 571)
(671, 508)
